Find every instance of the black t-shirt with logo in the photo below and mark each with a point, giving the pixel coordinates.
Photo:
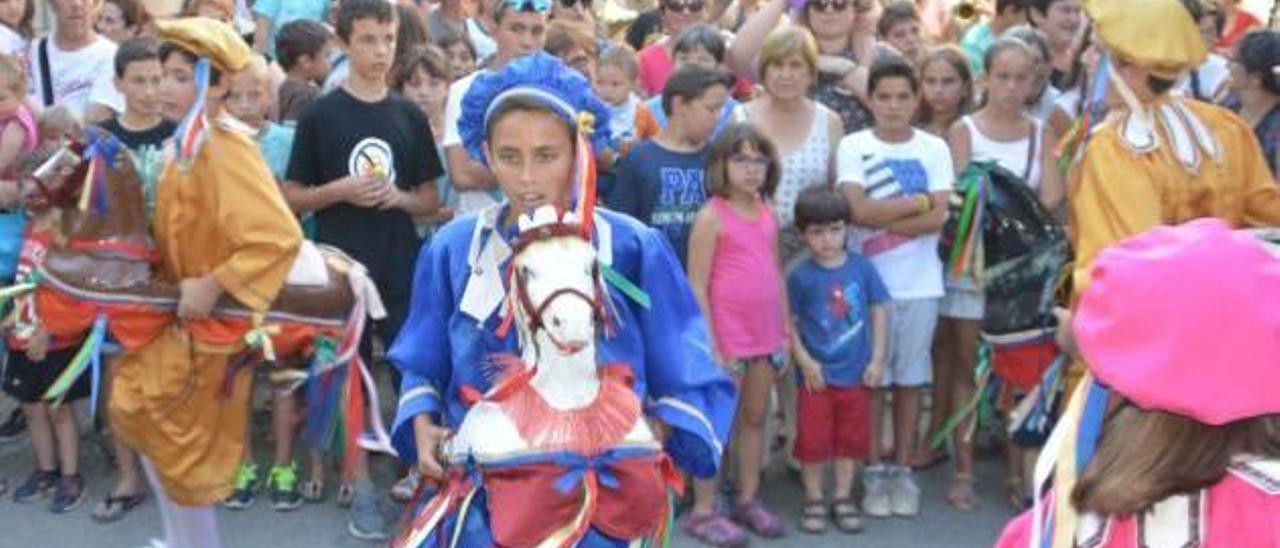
(134, 140)
(339, 135)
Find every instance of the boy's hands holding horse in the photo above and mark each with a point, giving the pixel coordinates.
(429, 439)
(198, 295)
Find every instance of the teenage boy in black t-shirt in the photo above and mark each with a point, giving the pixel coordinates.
(137, 67)
(365, 163)
(143, 130)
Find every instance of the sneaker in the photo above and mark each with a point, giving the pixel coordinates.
(904, 494)
(875, 502)
(14, 426)
(282, 482)
(758, 519)
(68, 495)
(37, 486)
(404, 489)
(246, 488)
(366, 520)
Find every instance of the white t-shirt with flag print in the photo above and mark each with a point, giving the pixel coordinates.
(909, 266)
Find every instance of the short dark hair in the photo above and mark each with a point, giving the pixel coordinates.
(690, 81)
(427, 58)
(892, 66)
(353, 10)
(299, 38)
(1041, 6)
(647, 24)
(450, 40)
(1259, 54)
(133, 50)
(820, 205)
(734, 139)
(895, 13)
(700, 36)
(169, 49)
(1006, 5)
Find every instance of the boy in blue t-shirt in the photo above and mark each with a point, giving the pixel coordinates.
(838, 305)
(662, 181)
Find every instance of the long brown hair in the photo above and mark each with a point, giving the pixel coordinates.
(1145, 456)
(952, 56)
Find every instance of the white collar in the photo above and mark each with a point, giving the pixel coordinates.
(488, 251)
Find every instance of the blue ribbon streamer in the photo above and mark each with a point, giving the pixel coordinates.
(95, 362)
(1095, 411)
(576, 466)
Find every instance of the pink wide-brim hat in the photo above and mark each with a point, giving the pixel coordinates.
(1186, 320)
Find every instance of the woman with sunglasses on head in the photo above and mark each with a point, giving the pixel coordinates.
(657, 60)
(844, 31)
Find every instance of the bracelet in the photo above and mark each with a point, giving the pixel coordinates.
(924, 202)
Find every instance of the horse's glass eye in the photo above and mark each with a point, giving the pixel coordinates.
(526, 273)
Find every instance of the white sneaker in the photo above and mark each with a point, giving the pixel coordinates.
(904, 493)
(404, 489)
(875, 500)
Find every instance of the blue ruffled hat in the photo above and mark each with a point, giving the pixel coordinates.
(543, 79)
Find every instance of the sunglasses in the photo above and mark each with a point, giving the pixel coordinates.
(570, 3)
(538, 6)
(830, 5)
(684, 7)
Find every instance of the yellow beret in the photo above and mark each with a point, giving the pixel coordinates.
(1158, 35)
(209, 39)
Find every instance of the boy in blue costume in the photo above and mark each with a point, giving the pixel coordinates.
(523, 122)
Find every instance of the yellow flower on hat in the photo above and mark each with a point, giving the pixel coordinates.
(209, 39)
(586, 123)
(1159, 35)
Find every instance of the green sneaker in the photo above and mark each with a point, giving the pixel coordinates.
(246, 488)
(282, 482)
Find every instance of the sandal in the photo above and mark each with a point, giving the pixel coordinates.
(312, 490)
(929, 458)
(813, 519)
(848, 519)
(961, 495)
(115, 507)
(346, 494)
(758, 519)
(1016, 493)
(713, 530)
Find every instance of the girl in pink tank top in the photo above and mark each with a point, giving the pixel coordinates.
(736, 277)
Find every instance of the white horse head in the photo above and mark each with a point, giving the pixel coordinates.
(556, 294)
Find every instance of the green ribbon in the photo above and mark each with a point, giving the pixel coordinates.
(981, 376)
(625, 286)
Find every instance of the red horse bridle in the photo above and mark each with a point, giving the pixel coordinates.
(534, 312)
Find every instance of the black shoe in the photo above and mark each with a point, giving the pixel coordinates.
(68, 495)
(14, 426)
(37, 486)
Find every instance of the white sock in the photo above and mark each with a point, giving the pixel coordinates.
(184, 526)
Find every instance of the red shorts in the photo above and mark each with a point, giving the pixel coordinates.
(833, 423)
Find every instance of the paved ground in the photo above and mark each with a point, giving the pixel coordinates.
(323, 525)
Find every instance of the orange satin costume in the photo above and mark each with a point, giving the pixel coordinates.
(1117, 192)
(223, 216)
